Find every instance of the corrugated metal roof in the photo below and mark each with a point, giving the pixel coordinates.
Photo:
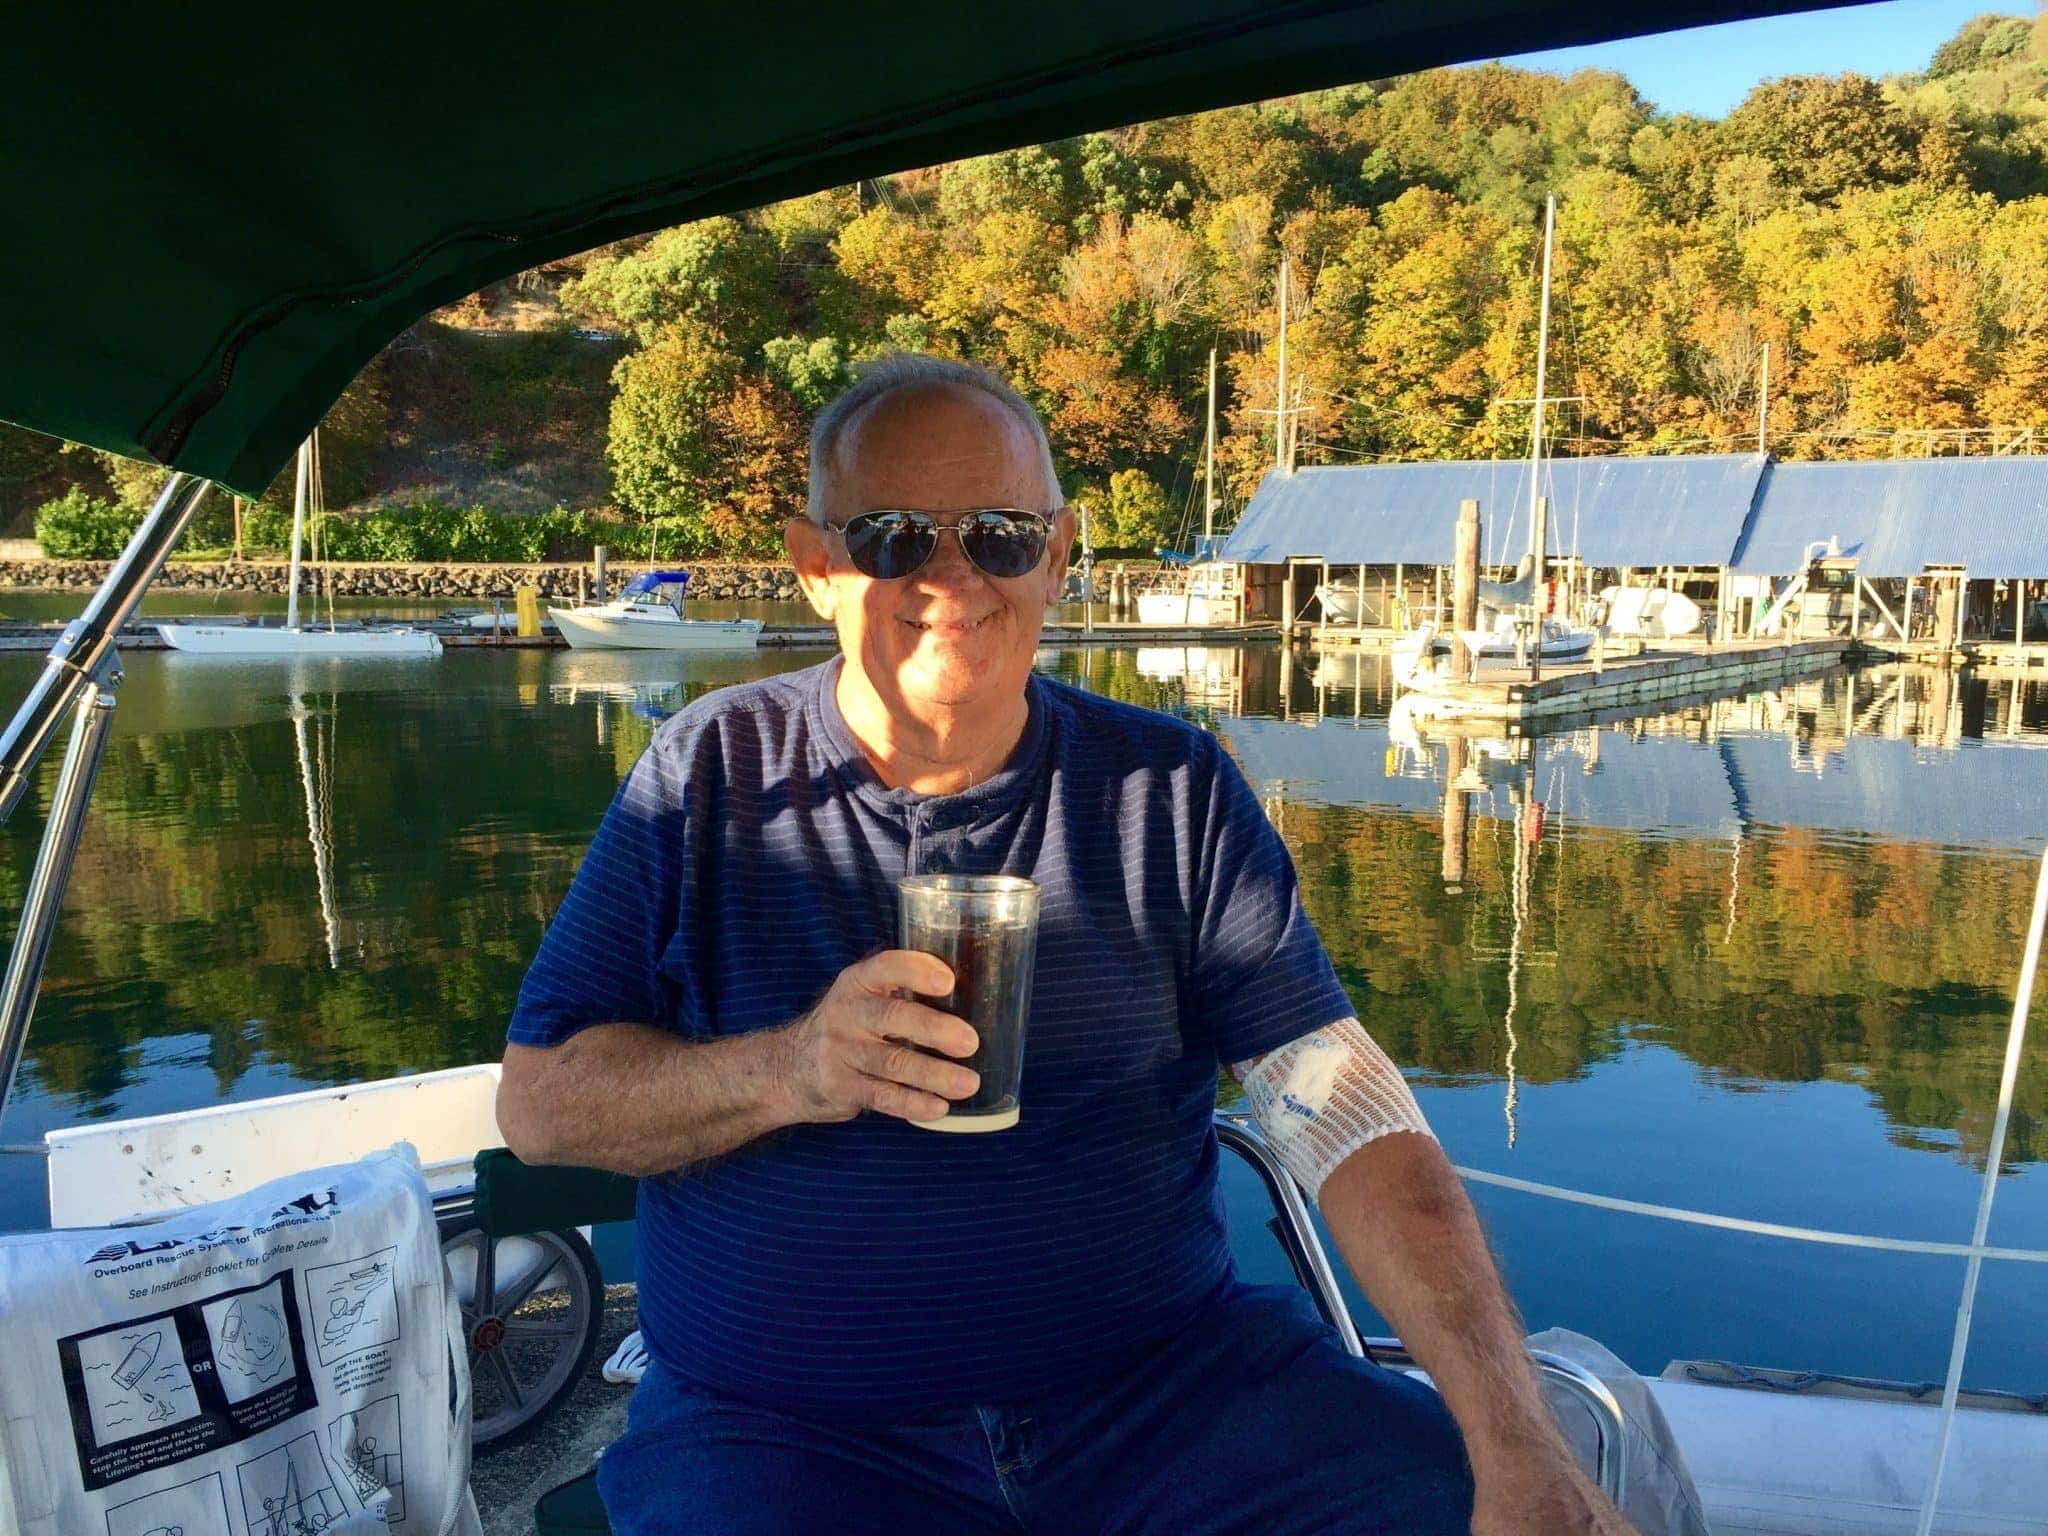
(1901, 515)
(1685, 510)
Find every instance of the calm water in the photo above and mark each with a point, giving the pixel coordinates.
(1755, 957)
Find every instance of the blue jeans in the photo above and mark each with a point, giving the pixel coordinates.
(1253, 1420)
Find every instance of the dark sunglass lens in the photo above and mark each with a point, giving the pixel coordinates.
(1002, 545)
(888, 546)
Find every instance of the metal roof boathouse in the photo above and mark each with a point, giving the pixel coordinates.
(1612, 511)
(1899, 516)
(1756, 515)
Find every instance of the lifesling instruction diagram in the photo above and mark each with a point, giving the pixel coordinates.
(290, 1492)
(366, 1446)
(353, 1304)
(153, 1391)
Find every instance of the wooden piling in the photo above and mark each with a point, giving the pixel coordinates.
(601, 555)
(1457, 815)
(1465, 590)
(1947, 597)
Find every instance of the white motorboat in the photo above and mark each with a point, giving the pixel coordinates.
(337, 641)
(648, 616)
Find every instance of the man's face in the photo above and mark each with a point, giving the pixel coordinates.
(947, 635)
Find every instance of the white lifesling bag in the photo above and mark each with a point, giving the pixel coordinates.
(288, 1362)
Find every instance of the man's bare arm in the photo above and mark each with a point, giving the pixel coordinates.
(635, 1099)
(641, 1100)
(1403, 1223)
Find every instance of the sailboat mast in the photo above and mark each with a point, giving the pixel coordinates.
(1542, 364)
(1209, 458)
(1281, 456)
(291, 603)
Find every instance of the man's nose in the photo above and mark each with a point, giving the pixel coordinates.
(949, 560)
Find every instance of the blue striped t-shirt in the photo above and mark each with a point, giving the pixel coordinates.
(869, 1267)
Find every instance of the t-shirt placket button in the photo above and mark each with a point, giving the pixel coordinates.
(938, 847)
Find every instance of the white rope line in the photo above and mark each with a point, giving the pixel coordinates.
(2015, 1042)
(1761, 1228)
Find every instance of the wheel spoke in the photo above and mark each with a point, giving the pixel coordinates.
(526, 1328)
(508, 1303)
(484, 1300)
(507, 1379)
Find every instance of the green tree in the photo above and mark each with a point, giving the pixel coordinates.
(812, 370)
(1825, 135)
(696, 441)
(1134, 517)
(721, 275)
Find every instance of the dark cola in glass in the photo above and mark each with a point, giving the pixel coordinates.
(986, 928)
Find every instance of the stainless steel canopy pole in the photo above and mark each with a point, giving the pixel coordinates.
(87, 642)
(52, 873)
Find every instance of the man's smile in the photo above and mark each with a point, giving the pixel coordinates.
(951, 626)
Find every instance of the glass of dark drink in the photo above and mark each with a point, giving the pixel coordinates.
(986, 928)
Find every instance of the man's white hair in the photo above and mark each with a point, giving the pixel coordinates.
(893, 371)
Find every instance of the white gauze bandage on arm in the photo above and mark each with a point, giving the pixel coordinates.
(1322, 1097)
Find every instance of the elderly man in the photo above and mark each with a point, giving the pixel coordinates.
(858, 1326)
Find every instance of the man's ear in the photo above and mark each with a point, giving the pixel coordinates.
(805, 541)
(1059, 545)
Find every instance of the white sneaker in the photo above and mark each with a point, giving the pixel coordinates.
(628, 1363)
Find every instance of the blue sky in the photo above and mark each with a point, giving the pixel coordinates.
(1707, 70)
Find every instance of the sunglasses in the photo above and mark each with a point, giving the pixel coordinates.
(888, 546)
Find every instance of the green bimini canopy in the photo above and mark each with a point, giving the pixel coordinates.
(215, 215)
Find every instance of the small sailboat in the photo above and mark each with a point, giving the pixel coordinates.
(1209, 595)
(1512, 629)
(648, 616)
(335, 641)
(1417, 651)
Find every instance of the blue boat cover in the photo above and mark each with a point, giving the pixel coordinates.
(1685, 510)
(1207, 547)
(1898, 516)
(647, 581)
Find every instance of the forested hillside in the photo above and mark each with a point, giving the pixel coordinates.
(1888, 240)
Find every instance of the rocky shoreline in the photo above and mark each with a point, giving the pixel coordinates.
(711, 581)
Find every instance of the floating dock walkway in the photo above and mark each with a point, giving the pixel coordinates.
(1518, 694)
